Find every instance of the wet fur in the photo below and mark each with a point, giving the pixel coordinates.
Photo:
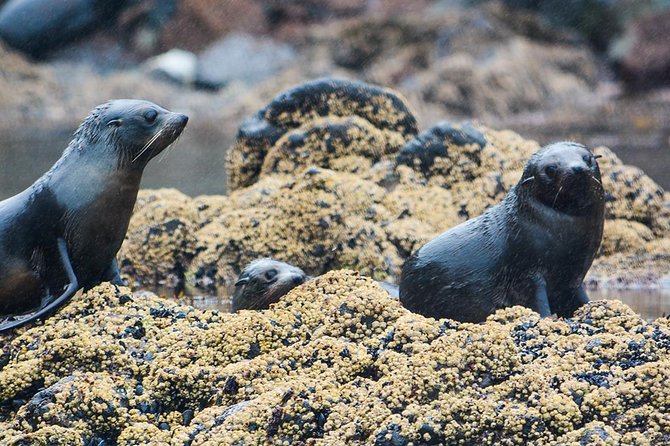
(255, 291)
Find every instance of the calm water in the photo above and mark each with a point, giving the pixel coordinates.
(196, 165)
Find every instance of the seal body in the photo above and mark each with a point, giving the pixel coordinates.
(85, 200)
(532, 249)
(264, 282)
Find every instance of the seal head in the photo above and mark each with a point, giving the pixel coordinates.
(263, 282)
(564, 177)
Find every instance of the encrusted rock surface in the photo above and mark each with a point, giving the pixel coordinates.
(336, 361)
(335, 174)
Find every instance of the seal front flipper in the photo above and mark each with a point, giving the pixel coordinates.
(113, 275)
(570, 301)
(55, 304)
(581, 296)
(541, 300)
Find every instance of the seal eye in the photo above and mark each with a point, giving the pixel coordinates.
(271, 274)
(150, 116)
(551, 170)
(588, 159)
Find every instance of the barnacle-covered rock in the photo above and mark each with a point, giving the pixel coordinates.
(624, 236)
(346, 144)
(331, 174)
(632, 195)
(335, 361)
(160, 240)
(307, 119)
(319, 219)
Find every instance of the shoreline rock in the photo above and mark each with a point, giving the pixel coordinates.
(335, 361)
(334, 174)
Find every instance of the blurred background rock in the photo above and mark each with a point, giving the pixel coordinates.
(591, 70)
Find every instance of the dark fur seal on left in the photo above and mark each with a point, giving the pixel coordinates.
(64, 231)
(533, 249)
(263, 282)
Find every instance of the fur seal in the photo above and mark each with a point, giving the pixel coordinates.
(263, 282)
(532, 249)
(63, 232)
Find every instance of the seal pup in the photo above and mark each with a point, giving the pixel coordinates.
(63, 232)
(532, 249)
(264, 282)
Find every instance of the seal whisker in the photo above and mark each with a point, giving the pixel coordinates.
(169, 149)
(528, 179)
(557, 194)
(87, 223)
(596, 180)
(547, 246)
(148, 144)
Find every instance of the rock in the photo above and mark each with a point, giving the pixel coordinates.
(37, 26)
(356, 187)
(160, 240)
(198, 23)
(646, 58)
(335, 361)
(242, 58)
(516, 76)
(300, 106)
(177, 65)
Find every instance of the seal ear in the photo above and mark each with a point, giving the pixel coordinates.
(114, 123)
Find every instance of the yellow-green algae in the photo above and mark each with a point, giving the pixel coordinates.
(336, 361)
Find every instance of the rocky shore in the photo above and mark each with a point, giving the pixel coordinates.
(314, 181)
(337, 361)
(346, 179)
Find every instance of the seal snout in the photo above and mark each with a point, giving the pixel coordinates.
(297, 279)
(181, 119)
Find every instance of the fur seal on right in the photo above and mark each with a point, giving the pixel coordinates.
(63, 232)
(263, 282)
(532, 249)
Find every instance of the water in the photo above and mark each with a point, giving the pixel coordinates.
(195, 164)
(650, 303)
